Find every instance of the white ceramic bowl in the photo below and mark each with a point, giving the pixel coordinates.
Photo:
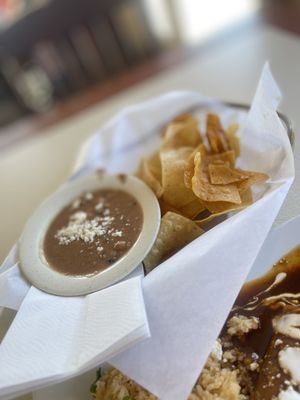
(34, 265)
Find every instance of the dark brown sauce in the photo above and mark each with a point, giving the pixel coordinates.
(71, 245)
(264, 341)
(290, 264)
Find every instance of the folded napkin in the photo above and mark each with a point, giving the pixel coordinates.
(53, 337)
(187, 297)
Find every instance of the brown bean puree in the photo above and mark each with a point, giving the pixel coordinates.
(262, 333)
(93, 232)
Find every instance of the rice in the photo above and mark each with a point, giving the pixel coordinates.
(214, 383)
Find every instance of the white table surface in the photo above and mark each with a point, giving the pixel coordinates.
(31, 171)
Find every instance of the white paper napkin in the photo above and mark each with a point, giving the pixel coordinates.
(53, 338)
(13, 288)
(187, 298)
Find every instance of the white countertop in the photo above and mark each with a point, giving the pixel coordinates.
(230, 72)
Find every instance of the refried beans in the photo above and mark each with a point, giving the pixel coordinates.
(93, 232)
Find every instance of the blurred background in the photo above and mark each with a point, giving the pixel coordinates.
(55, 51)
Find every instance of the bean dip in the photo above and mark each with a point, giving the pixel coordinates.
(93, 232)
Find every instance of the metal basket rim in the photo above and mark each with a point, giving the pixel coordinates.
(286, 121)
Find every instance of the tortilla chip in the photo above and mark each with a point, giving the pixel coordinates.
(219, 208)
(190, 166)
(192, 209)
(222, 207)
(155, 165)
(209, 192)
(181, 133)
(173, 163)
(205, 220)
(226, 157)
(146, 175)
(216, 135)
(165, 207)
(175, 232)
(222, 174)
(234, 141)
(254, 177)
(192, 181)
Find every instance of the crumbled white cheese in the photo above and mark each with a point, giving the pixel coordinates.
(99, 206)
(289, 361)
(238, 325)
(82, 227)
(76, 203)
(117, 234)
(79, 216)
(217, 351)
(88, 196)
(278, 342)
(288, 325)
(253, 366)
(79, 229)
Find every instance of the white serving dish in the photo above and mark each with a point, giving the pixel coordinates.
(34, 265)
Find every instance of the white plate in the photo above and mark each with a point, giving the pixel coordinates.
(40, 274)
(279, 242)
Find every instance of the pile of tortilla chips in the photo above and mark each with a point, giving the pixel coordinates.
(195, 179)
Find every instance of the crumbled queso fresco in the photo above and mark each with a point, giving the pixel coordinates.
(82, 228)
